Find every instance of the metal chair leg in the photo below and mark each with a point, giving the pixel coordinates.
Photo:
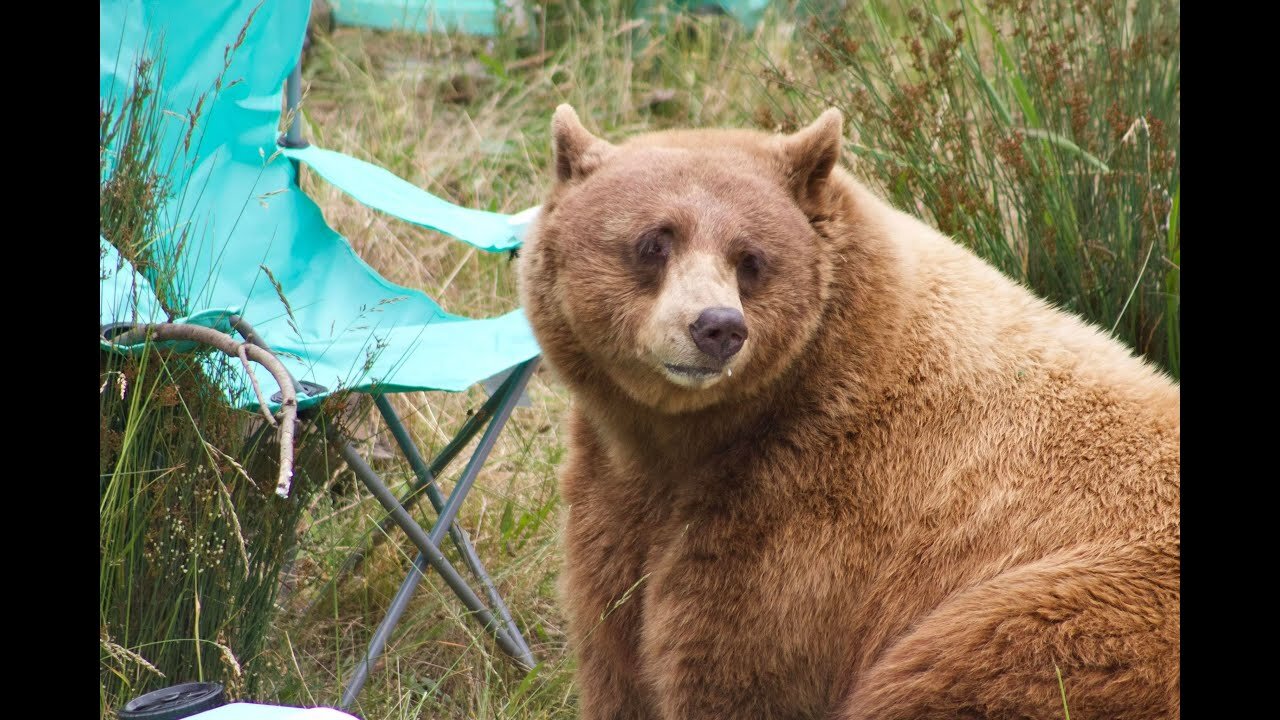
(508, 395)
(430, 551)
(425, 479)
(503, 627)
(383, 633)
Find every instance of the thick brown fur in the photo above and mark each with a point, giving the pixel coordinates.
(922, 492)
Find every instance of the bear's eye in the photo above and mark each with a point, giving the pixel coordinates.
(654, 246)
(750, 272)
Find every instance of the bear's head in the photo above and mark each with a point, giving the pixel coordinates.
(682, 267)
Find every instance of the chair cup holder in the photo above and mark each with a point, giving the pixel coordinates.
(309, 389)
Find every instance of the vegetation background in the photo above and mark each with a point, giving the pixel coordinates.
(1043, 135)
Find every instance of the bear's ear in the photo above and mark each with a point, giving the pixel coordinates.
(809, 155)
(578, 152)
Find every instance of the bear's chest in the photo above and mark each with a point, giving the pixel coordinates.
(757, 600)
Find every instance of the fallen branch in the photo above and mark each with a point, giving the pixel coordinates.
(229, 345)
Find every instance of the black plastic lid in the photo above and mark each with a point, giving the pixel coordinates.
(171, 703)
(111, 330)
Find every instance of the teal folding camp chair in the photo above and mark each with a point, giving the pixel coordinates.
(251, 254)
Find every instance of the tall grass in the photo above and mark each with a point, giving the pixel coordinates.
(1043, 135)
(192, 538)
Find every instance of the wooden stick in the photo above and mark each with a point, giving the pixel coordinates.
(229, 345)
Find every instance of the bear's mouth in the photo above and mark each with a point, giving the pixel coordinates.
(691, 372)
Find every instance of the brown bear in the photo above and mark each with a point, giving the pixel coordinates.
(824, 462)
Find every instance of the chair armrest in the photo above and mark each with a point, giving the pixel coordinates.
(382, 190)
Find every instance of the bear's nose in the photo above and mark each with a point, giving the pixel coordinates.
(719, 332)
